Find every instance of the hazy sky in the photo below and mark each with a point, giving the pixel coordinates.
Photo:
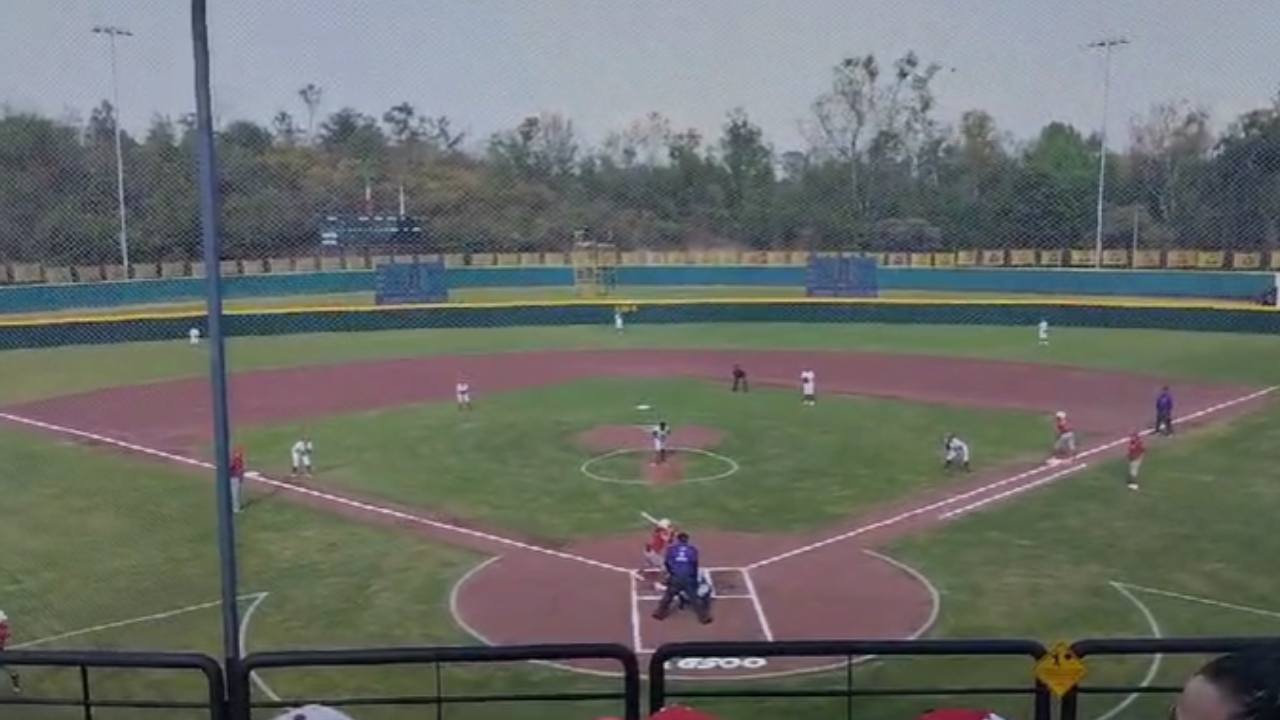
(605, 62)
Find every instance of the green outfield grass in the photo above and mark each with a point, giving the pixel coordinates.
(95, 537)
(514, 462)
(1224, 357)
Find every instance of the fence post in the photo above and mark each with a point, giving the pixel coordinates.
(1044, 702)
(1070, 702)
(86, 697)
(657, 682)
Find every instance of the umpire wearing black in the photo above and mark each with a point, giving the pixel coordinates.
(682, 580)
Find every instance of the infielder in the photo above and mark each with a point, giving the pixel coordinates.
(660, 433)
(1043, 331)
(14, 680)
(1065, 446)
(740, 379)
(236, 476)
(301, 456)
(955, 452)
(808, 387)
(462, 393)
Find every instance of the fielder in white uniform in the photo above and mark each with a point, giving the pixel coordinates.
(808, 387)
(617, 320)
(660, 433)
(955, 452)
(194, 335)
(1043, 330)
(462, 392)
(301, 456)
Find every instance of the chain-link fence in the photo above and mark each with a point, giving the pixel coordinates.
(537, 179)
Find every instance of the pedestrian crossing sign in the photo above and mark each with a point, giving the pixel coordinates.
(1060, 670)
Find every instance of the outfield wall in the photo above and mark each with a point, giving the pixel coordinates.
(1147, 283)
(174, 326)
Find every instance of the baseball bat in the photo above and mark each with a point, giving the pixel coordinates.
(652, 520)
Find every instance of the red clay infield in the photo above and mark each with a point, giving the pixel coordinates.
(822, 584)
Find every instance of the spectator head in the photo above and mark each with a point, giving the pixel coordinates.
(1240, 686)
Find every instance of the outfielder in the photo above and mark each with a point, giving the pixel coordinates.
(301, 456)
(617, 320)
(14, 680)
(1043, 331)
(955, 452)
(808, 387)
(193, 336)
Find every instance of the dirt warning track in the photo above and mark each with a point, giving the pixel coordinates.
(816, 585)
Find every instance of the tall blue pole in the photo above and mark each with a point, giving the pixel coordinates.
(208, 174)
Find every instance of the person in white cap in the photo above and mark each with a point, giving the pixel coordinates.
(955, 452)
(14, 680)
(808, 387)
(313, 712)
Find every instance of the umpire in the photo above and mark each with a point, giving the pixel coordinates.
(682, 579)
(1164, 412)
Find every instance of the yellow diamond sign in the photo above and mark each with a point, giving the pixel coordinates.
(1060, 669)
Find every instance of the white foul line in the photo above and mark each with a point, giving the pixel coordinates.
(1011, 491)
(637, 641)
(1153, 668)
(317, 494)
(132, 621)
(755, 602)
(1197, 599)
(989, 486)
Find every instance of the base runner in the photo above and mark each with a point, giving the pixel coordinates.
(236, 476)
(1064, 447)
(1136, 451)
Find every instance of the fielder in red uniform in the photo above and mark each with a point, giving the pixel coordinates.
(14, 680)
(1136, 450)
(1065, 446)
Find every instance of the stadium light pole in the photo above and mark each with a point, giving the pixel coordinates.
(112, 32)
(1106, 45)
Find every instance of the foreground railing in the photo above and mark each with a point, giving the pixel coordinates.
(90, 681)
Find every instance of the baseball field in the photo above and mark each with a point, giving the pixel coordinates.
(521, 520)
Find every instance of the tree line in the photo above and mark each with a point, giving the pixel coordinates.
(878, 171)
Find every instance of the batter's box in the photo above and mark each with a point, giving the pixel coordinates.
(736, 609)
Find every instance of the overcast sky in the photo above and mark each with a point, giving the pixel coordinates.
(603, 63)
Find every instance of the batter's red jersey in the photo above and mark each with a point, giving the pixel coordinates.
(1136, 448)
(1063, 425)
(659, 540)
